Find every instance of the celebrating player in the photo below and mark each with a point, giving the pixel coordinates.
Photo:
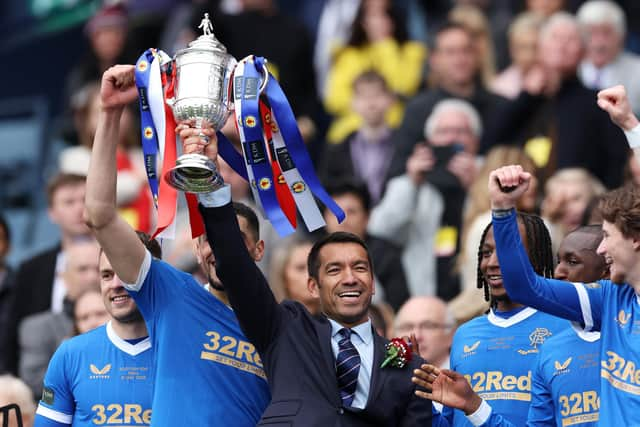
(496, 353)
(565, 381)
(206, 370)
(609, 305)
(104, 375)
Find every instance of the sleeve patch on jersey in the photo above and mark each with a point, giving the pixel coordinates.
(48, 396)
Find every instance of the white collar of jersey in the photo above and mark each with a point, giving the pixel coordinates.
(516, 318)
(638, 298)
(132, 349)
(590, 336)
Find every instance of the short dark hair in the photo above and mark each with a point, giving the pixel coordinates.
(151, 244)
(313, 260)
(252, 219)
(371, 76)
(621, 207)
(62, 180)
(446, 27)
(594, 231)
(358, 189)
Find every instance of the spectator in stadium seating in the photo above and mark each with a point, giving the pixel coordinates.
(364, 156)
(421, 210)
(288, 274)
(545, 8)
(89, 312)
(523, 48)
(455, 73)
(133, 195)
(567, 194)
(474, 20)
(107, 33)
(543, 116)
(606, 63)
(433, 324)
(287, 46)
(40, 334)
(39, 284)
(378, 42)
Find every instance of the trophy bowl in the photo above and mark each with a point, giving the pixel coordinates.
(203, 70)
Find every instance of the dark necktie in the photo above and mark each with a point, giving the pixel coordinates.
(347, 367)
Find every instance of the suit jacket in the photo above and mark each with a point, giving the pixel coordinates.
(39, 336)
(296, 348)
(32, 294)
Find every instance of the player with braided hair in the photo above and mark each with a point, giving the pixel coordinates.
(497, 352)
(540, 254)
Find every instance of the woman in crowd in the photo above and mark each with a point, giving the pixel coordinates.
(378, 42)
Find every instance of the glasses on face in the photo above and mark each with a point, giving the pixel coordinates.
(427, 325)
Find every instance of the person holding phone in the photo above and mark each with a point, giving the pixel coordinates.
(422, 209)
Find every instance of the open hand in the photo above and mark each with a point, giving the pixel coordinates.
(446, 387)
(118, 87)
(506, 185)
(614, 101)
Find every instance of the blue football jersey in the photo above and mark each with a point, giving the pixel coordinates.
(98, 379)
(207, 372)
(566, 381)
(603, 306)
(497, 356)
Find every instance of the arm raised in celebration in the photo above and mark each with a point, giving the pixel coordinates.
(116, 237)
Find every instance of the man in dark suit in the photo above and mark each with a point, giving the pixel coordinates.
(325, 370)
(38, 283)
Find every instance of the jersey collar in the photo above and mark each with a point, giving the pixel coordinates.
(590, 336)
(516, 318)
(132, 349)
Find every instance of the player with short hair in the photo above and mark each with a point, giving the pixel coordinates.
(206, 370)
(105, 376)
(565, 381)
(606, 305)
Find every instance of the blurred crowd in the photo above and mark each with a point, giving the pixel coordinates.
(406, 106)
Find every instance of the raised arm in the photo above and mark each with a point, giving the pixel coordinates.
(614, 100)
(562, 299)
(249, 293)
(118, 240)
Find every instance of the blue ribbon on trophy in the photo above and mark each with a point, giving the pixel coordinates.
(150, 146)
(246, 87)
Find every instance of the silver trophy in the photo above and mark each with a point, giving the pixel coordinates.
(201, 93)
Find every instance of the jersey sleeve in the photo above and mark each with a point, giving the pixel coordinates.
(157, 284)
(57, 405)
(541, 410)
(575, 302)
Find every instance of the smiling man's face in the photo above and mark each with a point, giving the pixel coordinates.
(345, 283)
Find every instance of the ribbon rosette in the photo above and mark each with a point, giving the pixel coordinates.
(398, 353)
